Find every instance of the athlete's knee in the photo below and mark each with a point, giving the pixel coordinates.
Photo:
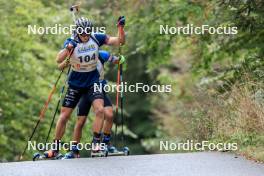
(108, 115)
(64, 118)
(99, 110)
(64, 115)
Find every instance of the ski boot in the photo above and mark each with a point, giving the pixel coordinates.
(47, 155)
(106, 140)
(71, 155)
(74, 153)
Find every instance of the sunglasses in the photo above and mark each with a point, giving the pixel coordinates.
(84, 34)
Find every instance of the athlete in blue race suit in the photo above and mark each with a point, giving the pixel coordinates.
(85, 105)
(83, 49)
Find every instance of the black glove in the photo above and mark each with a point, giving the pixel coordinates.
(121, 21)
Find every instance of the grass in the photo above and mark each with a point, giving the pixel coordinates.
(236, 116)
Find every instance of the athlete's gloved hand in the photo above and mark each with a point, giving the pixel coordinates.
(122, 59)
(70, 44)
(121, 21)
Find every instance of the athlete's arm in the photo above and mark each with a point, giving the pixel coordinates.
(69, 45)
(114, 59)
(116, 41)
(117, 60)
(105, 56)
(62, 55)
(61, 61)
(120, 40)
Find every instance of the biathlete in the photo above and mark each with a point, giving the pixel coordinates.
(83, 49)
(85, 105)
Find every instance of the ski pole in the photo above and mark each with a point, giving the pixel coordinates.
(122, 105)
(57, 107)
(42, 113)
(44, 108)
(117, 99)
(122, 93)
(119, 80)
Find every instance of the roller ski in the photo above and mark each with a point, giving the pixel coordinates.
(48, 155)
(113, 151)
(98, 151)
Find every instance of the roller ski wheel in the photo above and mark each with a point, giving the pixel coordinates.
(112, 149)
(99, 153)
(126, 151)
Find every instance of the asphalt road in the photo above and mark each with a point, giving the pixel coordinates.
(184, 164)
